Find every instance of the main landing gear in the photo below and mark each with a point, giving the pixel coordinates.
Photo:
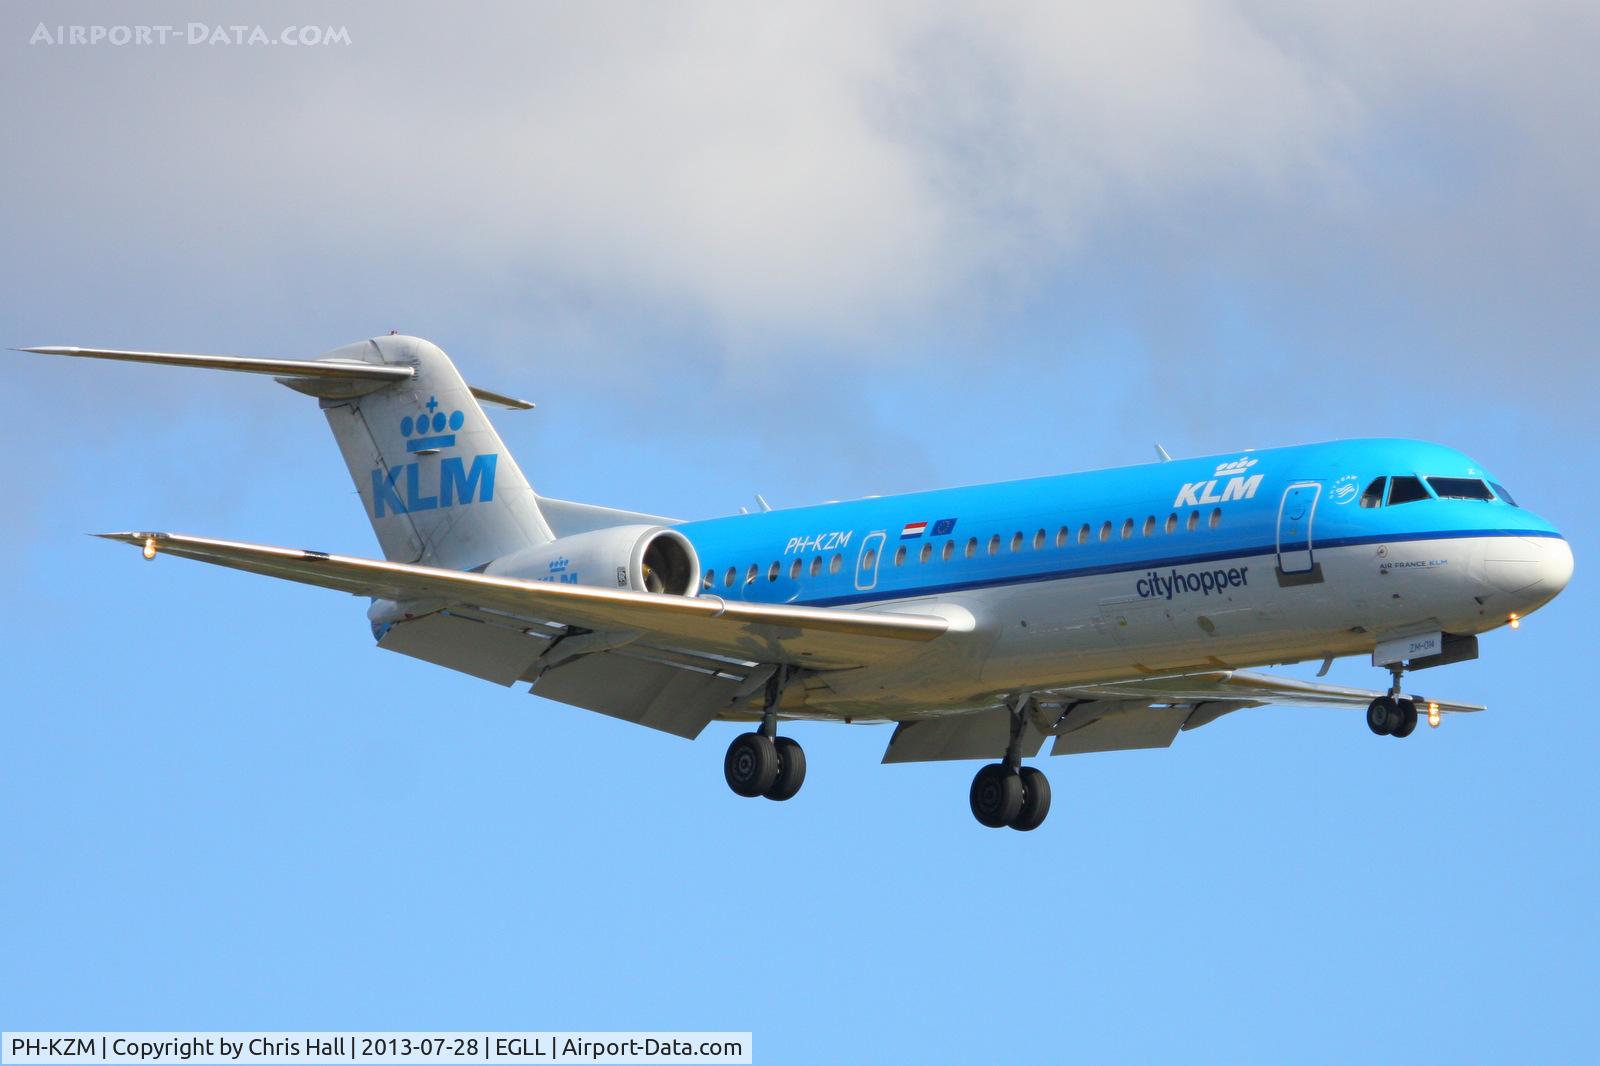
(1393, 715)
(1007, 793)
(763, 763)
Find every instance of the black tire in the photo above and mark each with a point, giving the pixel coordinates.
(1408, 719)
(1035, 800)
(791, 769)
(1378, 712)
(996, 796)
(751, 765)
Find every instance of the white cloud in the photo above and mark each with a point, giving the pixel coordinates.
(823, 171)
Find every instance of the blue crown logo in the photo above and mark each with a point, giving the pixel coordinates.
(426, 431)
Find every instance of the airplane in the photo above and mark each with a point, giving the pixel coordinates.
(1106, 610)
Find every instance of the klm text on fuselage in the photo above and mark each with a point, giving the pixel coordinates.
(1195, 493)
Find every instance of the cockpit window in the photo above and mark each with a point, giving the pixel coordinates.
(1406, 490)
(1500, 491)
(1460, 488)
(1373, 497)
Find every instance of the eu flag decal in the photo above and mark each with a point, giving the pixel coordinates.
(943, 527)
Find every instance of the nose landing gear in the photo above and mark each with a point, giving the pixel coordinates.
(1393, 715)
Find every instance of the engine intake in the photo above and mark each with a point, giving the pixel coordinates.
(640, 558)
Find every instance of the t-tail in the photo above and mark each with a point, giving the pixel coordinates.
(435, 478)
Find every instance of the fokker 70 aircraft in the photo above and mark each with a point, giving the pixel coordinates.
(1104, 610)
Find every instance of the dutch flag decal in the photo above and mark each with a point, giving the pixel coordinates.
(913, 530)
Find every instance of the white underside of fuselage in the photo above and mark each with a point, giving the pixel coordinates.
(1233, 614)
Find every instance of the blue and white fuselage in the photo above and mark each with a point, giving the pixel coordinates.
(1234, 560)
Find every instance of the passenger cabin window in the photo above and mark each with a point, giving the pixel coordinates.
(727, 579)
(1373, 497)
(1172, 523)
(1149, 525)
(949, 550)
(1405, 490)
(1061, 537)
(794, 570)
(749, 578)
(772, 572)
(1083, 533)
(1216, 517)
(926, 553)
(711, 578)
(1016, 542)
(1500, 491)
(1194, 521)
(1038, 540)
(1459, 488)
(835, 564)
(1105, 532)
(972, 547)
(816, 565)
(1127, 528)
(994, 544)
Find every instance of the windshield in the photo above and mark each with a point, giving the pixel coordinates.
(1406, 490)
(1460, 488)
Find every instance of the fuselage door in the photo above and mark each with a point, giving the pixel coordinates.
(1296, 515)
(867, 561)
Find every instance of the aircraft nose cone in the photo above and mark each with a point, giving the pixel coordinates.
(1525, 573)
(1555, 565)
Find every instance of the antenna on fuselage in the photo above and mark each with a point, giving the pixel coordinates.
(1165, 458)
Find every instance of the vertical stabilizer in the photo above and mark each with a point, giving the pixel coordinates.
(436, 480)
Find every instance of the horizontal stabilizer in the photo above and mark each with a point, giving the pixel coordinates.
(297, 368)
(301, 374)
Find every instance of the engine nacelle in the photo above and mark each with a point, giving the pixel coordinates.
(641, 558)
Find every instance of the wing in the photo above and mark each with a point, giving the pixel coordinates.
(1120, 716)
(671, 662)
(1241, 685)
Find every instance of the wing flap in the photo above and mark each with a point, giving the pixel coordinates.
(659, 695)
(818, 638)
(495, 653)
(1123, 727)
(979, 735)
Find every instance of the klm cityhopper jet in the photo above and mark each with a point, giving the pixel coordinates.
(1105, 610)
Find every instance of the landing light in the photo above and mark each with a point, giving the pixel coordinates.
(1516, 623)
(1433, 714)
(149, 547)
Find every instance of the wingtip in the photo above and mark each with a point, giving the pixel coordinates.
(127, 536)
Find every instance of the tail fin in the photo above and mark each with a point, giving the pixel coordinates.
(438, 484)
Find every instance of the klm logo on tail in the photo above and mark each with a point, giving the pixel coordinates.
(1239, 486)
(400, 489)
(426, 432)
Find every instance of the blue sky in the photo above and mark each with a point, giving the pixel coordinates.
(818, 256)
